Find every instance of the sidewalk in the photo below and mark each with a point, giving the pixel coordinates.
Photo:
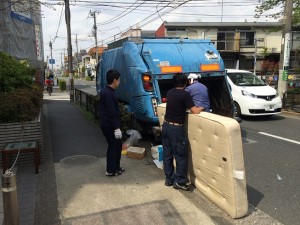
(72, 188)
(75, 190)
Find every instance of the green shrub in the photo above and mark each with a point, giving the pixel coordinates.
(14, 74)
(21, 105)
(88, 78)
(20, 98)
(62, 85)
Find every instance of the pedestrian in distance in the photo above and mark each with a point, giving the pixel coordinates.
(199, 92)
(49, 85)
(174, 139)
(110, 123)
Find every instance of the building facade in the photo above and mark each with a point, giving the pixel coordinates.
(242, 45)
(21, 33)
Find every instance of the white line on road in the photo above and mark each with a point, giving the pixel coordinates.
(281, 138)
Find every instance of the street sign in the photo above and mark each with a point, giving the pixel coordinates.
(285, 75)
(51, 61)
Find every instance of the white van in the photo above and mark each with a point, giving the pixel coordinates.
(252, 96)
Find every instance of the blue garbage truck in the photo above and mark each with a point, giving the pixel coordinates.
(147, 67)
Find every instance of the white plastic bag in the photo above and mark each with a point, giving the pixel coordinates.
(133, 139)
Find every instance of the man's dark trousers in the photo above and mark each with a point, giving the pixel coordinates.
(114, 149)
(174, 145)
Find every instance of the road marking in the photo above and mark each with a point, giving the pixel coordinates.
(281, 138)
(248, 141)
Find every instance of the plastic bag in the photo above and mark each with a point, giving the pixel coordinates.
(132, 140)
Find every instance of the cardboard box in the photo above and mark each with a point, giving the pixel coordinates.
(136, 152)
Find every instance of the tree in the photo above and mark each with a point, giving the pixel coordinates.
(272, 4)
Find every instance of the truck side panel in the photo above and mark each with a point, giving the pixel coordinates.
(129, 63)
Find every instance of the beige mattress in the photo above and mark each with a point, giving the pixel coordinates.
(216, 164)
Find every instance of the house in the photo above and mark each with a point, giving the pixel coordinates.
(243, 45)
(89, 61)
(92, 52)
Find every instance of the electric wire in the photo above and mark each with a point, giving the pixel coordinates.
(156, 9)
(59, 23)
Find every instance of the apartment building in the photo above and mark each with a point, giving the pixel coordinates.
(243, 45)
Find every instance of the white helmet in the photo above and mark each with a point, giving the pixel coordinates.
(192, 76)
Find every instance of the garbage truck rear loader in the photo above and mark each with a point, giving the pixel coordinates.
(147, 67)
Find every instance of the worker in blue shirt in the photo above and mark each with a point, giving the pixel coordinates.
(110, 123)
(198, 92)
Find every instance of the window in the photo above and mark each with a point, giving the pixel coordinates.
(226, 40)
(175, 29)
(247, 38)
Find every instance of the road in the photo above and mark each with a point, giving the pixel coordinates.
(86, 86)
(272, 155)
(272, 162)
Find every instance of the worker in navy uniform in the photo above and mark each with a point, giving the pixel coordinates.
(198, 91)
(174, 139)
(110, 123)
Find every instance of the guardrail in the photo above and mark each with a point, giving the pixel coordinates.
(88, 101)
(291, 101)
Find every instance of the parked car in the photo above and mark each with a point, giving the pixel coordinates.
(252, 96)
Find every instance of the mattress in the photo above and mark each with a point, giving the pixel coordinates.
(216, 162)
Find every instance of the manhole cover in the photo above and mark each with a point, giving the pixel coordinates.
(79, 160)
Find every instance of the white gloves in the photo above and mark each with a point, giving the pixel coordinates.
(118, 134)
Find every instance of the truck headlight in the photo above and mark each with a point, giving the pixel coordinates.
(246, 93)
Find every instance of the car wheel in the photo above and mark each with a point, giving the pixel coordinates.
(236, 110)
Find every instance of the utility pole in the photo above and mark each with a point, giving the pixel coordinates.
(78, 70)
(64, 62)
(285, 48)
(93, 14)
(70, 60)
(62, 65)
(51, 60)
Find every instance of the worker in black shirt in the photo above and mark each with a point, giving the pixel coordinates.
(110, 122)
(174, 139)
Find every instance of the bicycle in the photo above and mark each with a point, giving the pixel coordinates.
(49, 89)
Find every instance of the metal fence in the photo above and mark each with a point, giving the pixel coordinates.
(88, 101)
(291, 101)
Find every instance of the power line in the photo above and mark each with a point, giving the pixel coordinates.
(59, 23)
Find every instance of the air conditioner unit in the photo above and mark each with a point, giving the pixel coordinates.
(273, 50)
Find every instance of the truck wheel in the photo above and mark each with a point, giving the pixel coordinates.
(236, 110)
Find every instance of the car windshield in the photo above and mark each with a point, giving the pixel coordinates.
(245, 79)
